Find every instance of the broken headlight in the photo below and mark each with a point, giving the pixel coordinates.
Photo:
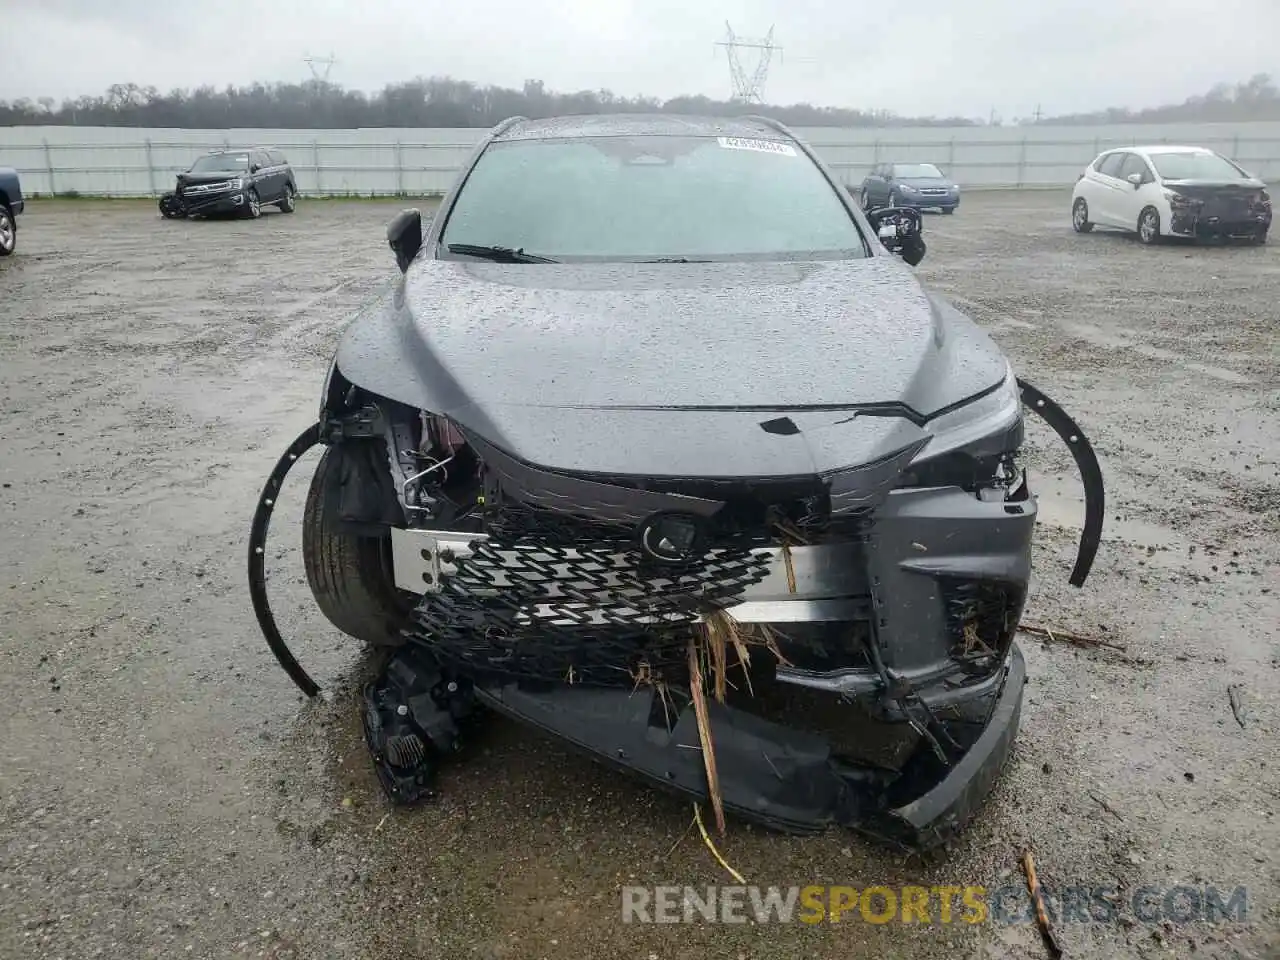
(992, 413)
(1178, 202)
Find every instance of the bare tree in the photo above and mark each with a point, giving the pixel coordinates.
(447, 102)
(421, 102)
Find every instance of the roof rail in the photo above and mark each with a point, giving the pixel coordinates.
(504, 125)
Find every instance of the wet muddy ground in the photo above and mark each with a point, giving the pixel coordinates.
(165, 792)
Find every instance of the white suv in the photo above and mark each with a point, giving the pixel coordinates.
(1171, 191)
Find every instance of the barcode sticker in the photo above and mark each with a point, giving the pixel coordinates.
(759, 146)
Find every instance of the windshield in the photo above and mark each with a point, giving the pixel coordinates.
(1195, 166)
(652, 197)
(925, 171)
(221, 163)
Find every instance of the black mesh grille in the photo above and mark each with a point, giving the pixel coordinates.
(549, 598)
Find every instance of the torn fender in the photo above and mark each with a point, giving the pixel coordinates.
(1090, 474)
(257, 560)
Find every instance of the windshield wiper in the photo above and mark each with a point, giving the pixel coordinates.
(498, 254)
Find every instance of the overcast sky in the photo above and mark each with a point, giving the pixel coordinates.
(942, 57)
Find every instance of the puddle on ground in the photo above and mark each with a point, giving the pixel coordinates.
(1060, 504)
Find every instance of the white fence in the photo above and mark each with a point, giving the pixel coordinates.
(125, 161)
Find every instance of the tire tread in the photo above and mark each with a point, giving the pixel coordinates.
(350, 576)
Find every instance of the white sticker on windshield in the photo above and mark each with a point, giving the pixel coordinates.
(760, 146)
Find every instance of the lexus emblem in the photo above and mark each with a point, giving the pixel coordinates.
(671, 537)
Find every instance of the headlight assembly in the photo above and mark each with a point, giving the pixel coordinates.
(991, 413)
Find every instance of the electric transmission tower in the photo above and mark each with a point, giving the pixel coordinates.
(748, 86)
(319, 66)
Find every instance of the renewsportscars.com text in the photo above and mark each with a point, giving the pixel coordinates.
(968, 904)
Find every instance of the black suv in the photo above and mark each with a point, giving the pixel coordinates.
(233, 181)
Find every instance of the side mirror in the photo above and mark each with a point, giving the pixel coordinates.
(254, 167)
(1135, 179)
(404, 235)
(900, 229)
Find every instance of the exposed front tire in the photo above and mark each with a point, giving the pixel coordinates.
(8, 231)
(1080, 216)
(351, 576)
(288, 202)
(1149, 226)
(1259, 238)
(252, 205)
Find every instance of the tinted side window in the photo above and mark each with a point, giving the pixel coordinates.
(1111, 164)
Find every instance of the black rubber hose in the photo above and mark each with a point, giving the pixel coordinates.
(258, 560)
(1090, 473)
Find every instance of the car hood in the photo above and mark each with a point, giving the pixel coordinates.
(585, 366)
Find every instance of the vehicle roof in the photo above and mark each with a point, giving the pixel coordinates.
(641, 125)
(1158, 148)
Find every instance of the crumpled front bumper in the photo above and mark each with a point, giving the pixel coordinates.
(769, 773)
(939, 580)
(1220, 219)
(933, 572)
(205, 204)
(776, 775)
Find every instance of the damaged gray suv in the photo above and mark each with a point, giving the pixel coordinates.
(659, 446)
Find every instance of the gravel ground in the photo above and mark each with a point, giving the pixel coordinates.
(164, 791)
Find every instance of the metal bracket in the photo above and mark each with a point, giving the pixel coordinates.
(423, 558)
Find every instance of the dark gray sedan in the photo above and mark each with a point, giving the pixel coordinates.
(919, 185)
